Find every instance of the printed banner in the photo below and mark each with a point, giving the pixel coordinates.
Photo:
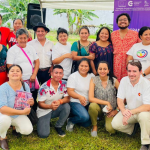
(139, 11)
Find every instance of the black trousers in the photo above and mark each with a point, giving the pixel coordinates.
(43, 76)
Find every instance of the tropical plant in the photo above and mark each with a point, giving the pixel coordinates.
(15, 9)
(76, 17)
(82, 16)
(109, 26)
(70, 13)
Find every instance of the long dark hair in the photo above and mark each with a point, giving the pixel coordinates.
(111, 75)
(88, 61)
(109, 38)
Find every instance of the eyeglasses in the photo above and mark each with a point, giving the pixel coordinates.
(122, 20)
(133, 61)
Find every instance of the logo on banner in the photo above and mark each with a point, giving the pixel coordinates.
(122, 3)
(146, 3)
(130, 3)
(142, 53)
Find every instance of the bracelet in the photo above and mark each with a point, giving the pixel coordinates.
(61, 101)
(144, 74)
(117, 109)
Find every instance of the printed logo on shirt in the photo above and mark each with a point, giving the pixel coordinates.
(139, 94)
(142, 53)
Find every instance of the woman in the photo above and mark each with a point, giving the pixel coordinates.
(80, 49)
(102, 92)
(61, 52)
(102, 49)
(3, 54)
(122, 40)
(17, 24)
(16, 55)
(140, 51)
(78, 88)
(4, 33)
(8, 115)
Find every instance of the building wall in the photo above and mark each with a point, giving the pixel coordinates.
(56, 21)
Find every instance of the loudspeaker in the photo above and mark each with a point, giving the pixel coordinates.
(34, 15)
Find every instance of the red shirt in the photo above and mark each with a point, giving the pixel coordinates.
(12, 39)
(4, 35)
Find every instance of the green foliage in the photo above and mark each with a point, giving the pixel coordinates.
(8, 25)
(15, 9)
(109, 26)
(76, 17)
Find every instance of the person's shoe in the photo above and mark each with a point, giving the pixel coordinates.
(69, 126)
(60, 132)
(136, 126)
(16, 133)
(93, 133)
(4, 144)
(144, 147)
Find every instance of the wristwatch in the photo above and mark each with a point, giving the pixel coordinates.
(144, 74)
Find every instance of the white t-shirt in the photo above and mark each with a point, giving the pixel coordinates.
(16, 56)
(80, 85)
(142, 53)
(136, 95)
(44, 52)
(59, 50)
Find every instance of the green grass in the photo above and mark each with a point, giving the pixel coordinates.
(72, 38)
(79, 139)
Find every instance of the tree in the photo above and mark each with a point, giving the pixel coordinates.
(82, 16)
(70, 13)
(76, 16)
(15, 9)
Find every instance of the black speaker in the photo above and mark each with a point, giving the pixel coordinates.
(34, 15)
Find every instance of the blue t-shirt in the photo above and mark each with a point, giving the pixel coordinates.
(7, 95)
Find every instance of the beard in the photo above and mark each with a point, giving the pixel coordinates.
(123, 27)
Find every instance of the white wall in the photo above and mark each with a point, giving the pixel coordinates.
(56, 21)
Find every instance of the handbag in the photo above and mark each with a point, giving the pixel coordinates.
(36, 83)
(75, 63)
(32, 116)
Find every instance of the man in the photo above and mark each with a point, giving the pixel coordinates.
(53, 102)
(43, 48)
(136, 90)
(122, 40)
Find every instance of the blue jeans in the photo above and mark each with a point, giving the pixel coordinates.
(80, 114)
(43, 125)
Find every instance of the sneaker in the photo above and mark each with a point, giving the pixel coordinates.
(60, 132)
(144, 147)
(69, 126)
(93, 133)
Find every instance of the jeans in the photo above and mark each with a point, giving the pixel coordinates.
(43, 76)
(80, 114)
(43, 125)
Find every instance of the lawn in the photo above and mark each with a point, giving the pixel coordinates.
(72, 38)
(79, 139)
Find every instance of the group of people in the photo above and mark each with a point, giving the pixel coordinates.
(111, 80)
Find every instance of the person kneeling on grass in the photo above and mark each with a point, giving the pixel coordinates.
(136, 90)
(8, 114)
(78, 89)
(53, 102)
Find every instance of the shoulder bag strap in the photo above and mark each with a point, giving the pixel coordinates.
(26, 56)
(79, 47)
